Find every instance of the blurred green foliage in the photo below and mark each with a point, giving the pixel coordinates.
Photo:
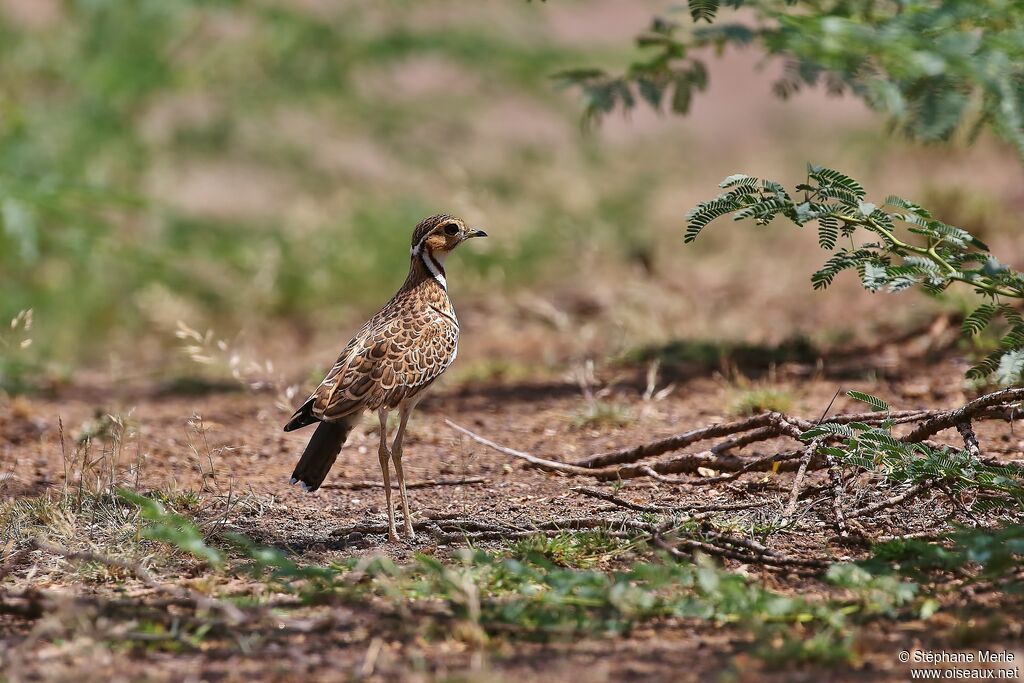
(239, 160)
(933, 66)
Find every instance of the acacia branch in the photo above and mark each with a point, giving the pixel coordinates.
(751, 430)
(673, 443)
(976, 408)
(688, 463)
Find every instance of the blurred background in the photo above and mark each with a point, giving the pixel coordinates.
(255, 168)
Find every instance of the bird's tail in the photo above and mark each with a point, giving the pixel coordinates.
(321, 452)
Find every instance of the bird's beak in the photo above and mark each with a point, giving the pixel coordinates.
(477, 233)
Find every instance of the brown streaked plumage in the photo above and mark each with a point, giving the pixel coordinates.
(389, 363)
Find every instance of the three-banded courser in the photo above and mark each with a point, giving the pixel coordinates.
(388, 365)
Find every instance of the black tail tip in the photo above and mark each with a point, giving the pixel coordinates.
(299, 421)
(303, 485)
(302, 417)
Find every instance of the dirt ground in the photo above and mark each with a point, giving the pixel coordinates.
(230, 445)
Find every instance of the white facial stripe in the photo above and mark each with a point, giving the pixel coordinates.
(435, 270)
(433, 263)
(415, 251)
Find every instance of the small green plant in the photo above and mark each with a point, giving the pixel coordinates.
(569, 549)
(17, 364)
(495, 370)
(600, 414)
(893, 247)
(984, 556)
(177, 530)
(597, 411)
(761, 399)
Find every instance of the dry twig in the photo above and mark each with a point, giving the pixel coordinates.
(798, 480)
(622, 502)
(426, 483)
(914, 490)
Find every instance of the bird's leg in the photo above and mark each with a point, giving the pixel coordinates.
(396, 457)
(384, 456)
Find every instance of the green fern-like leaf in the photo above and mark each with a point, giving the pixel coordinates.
(765, 210)
(903, 276)
(979, 319)
(901, 203)
(850, 199)
(1014, 339)
(703, 9)
(881, 439)
(831, 177)
(651, 91)
(922, 264)
(698, 217)
(842, 260)
(739, 179)
(873, 276)
(828, 429)
(828, 232)
(953, 234)
(986, 367)
(1011, 315)
(876, 403)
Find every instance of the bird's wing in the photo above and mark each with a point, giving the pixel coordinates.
(391, 359)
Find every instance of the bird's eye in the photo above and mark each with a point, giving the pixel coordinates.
(451, 229)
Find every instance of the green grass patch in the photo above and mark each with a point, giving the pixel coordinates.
(569, 549)
(761, 399)
(688, 354)
(600, 414)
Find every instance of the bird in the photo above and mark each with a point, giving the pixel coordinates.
(388, 365)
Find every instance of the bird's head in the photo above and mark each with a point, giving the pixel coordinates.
(439, 235)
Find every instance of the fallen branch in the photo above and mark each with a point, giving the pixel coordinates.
(688, 463)
(914, 490)
(728, 465)
(616, 500)
(540, 463)
(762, 428)
(673, 443)
(746, 543)
(764, 463)
(754, 436)
(601, 466)
(476, 529)
(951, 418)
